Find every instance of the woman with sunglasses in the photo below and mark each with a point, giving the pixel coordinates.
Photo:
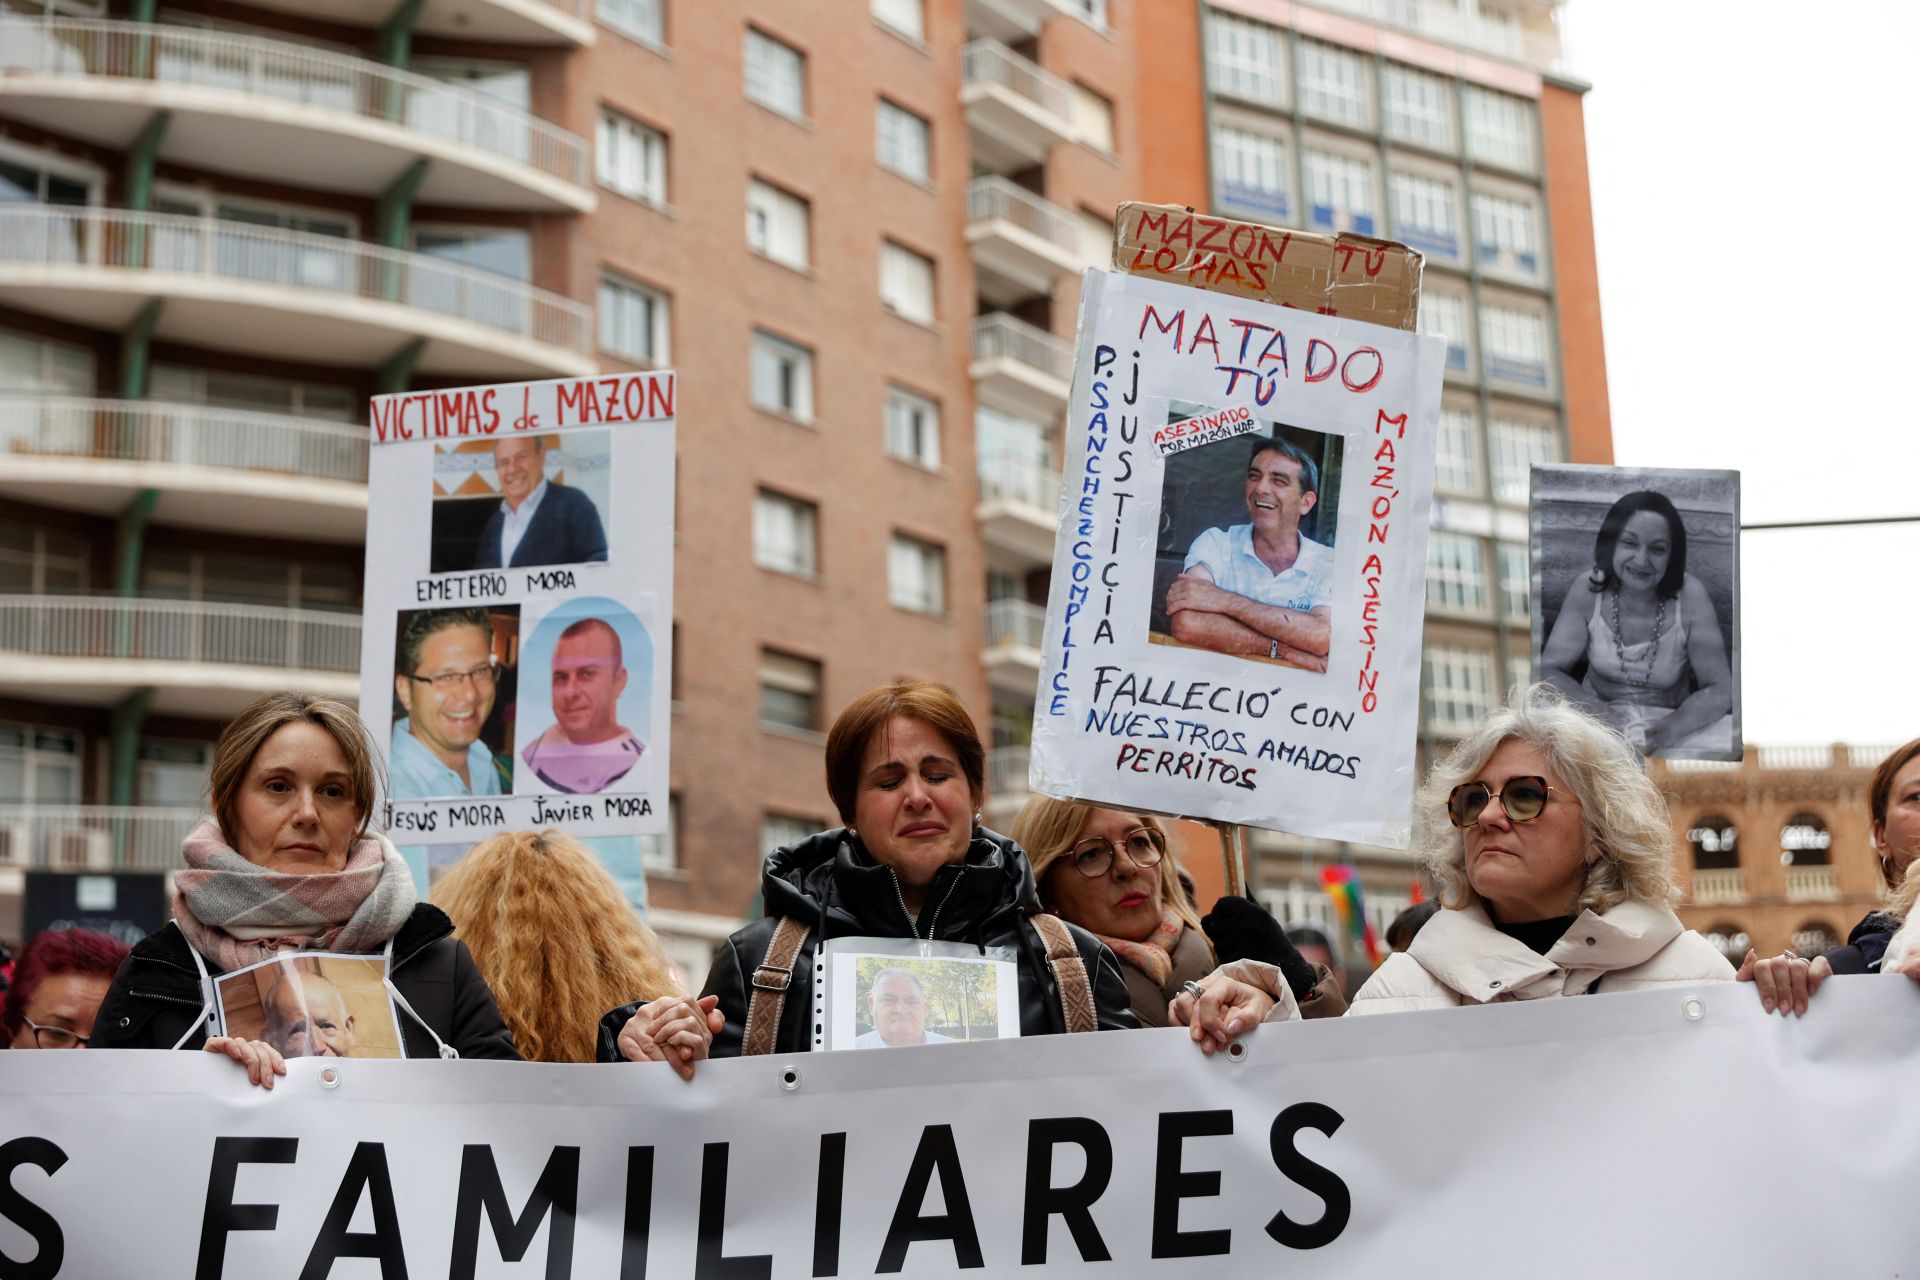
(1108, 871)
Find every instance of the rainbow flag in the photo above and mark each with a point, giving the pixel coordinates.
(1342, 884)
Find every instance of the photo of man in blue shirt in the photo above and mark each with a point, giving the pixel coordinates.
(446, 683)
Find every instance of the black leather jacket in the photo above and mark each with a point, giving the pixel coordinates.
(831, 882)
(155, 998)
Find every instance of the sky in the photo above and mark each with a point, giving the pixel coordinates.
(1759, 290)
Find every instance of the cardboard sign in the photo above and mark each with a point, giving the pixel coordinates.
(517, 653)
(1234, 627)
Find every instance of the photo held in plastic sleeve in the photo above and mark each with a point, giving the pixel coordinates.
(1234, 627)
(519, 589)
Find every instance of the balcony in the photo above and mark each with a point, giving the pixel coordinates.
(1019, 509)
(1012, 20)
(1021, 243)
(87, 837)
(1716, 887)
(1812, 884)
(1021, 369)
(201, 659)
(217, 469)
(1012, 656)
(1015, 111)
(279, 112)
(522, 22)
(264, 291)
(1006, 784)
(1536, 46)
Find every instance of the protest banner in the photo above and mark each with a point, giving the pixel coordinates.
(1636, 601)
(1622, 1135)
(1182, 671)
(519, 589)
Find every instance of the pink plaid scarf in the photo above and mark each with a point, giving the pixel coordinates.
(1153, 957)
(355, 909)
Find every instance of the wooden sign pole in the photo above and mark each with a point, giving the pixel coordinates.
(1233, 850)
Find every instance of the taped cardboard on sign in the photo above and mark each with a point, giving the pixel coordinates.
(1344, 275)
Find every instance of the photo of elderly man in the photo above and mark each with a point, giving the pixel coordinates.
(307, 1017)
(1261, 589)
(539, 521)
(897, 1011)
(587, 749)
(446, 683)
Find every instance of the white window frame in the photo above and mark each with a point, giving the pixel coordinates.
(902, 141)
(42, 747)
(780, 829)
(1340, 177)
(1456, 461)
(779, 225)
(792, 673)
(74, 556)
(630, 157)
(1423, 116)
(1506, 233)
(1253, 170)
(660, 854)
(1516, 579)
(1093, 124)
(781, 376)
(1450, 313)
(1456, 572)
(64, 368)
(612, 327)
(1334, 83)
(642, 20)
(913, 428)
(786, 534)
(1459, 689)
(1513, 446)
(1516, 344)
(1499, 129)
(906, 18)
(907, 283)
(917, 575)
(774, 74)
(1246, 59)
(1427, 206)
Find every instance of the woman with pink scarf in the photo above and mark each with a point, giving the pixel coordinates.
(287, 864)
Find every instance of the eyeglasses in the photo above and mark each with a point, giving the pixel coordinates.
(56, 1037)
(482, 677)
(1522, 798)
(1144, 847)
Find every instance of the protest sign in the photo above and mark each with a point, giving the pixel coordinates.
(1595, 1137)
(517, 651)
(1636, 601)
(1234, 627)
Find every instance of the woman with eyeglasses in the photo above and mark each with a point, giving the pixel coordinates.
(58, 984)
(1108, 871)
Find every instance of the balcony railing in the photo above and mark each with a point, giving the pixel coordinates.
(1015, 622)
(1718, 886)
(316, 80)
(84, 837)
(1000, 335)
(1448, 25)
(125, 239)
(1008, 478)
(1812, 884)
(988, 62)
(994, 198)
(180, 631)
(1007, 773)
(1796, 757)
(185, 434)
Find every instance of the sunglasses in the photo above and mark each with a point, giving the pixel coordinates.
(1521, 797)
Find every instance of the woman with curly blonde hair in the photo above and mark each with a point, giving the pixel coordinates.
(554, 937)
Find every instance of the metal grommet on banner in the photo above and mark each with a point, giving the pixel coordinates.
(1694, 1008)
(1237, 1051)
(330, 1078)
(789, 1078)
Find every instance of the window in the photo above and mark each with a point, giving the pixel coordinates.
(38, 766)
(1096, 239)
(1246, 60)
(1339, 192)
(785, 533)
(1459, 689)
(172, 774)
(778, 830)
(41, 562)
(1516, 345)
(776, 75)
(905, 17)
(1456, 462)
(1445, 313)
(31, 184)
(1456, 572)
(1250, 170)
(782, 377)
(661, 854)
(633, 321)
(1515, 447)
(642, 19)
(906, 282)
(1805, 841)
(1506, 234)
(632, 158)
(1499, 128)
(1333, 83)
(1813, 939)
(789, 690)
(500, 251)
(1715, 843)
(1516, 579)
(1426, 212)
(1092, 119)
(916, 575)
(777, 224)
(903, 141)
(913, 428)
(1419, 107)
(29, 362)
(224, 389)
(174, 574)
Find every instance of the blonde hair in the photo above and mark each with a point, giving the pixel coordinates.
(1902, 905)
(1047, 828)
(554, 938)
(1622, 813)
(265, 716)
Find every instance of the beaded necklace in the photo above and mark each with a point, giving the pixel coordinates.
(1638, 681)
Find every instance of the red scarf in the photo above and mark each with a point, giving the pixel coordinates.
(1154, 956)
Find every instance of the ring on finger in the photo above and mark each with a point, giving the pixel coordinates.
(1193, 989)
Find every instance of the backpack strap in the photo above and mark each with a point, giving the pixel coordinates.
(769, 985)
(1069, 972)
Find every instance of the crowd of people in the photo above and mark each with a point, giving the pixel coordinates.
(1553, 866)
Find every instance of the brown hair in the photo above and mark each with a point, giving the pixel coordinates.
(554, 938)
(933, 704)
(247, 732)
(1047, 828)
(1880, 792)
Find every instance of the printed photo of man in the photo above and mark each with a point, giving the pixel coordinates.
(587, 749)
(1261, 589)
(540, 521)
(446, 683)
(897, 1011)
(307, 1017)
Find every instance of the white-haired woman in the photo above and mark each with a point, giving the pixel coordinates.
(1555, 868)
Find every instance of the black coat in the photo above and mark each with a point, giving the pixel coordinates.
(565, 529)
(155, 998)
(985, 899)
(1866, 945)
